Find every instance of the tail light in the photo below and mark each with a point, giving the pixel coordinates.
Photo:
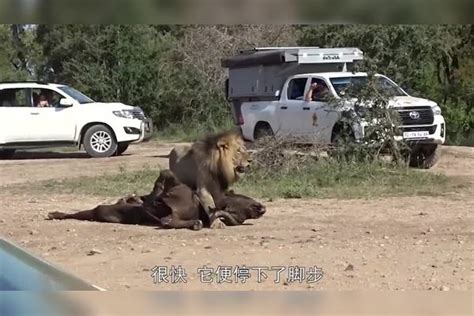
(241, 119)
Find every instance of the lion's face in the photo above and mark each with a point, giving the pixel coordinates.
(241, 158)
(235, 159)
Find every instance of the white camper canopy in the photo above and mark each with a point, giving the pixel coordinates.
(314, 55)
(300, 55)
(261, 71)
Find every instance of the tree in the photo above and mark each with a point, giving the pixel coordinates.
(109, 62)
(173, 72)
(18, 52)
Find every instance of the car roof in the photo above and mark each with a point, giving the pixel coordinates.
(28, 84)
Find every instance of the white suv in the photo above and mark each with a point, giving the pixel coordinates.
(37, 114)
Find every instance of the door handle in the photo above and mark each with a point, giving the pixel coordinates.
(284, 107)
(306, 109)
(34, 113)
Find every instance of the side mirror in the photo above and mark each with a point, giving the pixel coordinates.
(66, 103)
(277, 93)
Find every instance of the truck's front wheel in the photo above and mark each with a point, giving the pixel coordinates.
(425, 156)
(121, 148)
(99, 141)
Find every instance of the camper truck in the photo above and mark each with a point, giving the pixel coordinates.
(267, 86)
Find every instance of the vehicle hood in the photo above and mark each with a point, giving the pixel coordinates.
(402, 101)
(406, 101)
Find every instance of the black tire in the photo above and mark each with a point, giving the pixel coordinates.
(121, 148)
(262, 130)
(99, 141)
(341, 139)
(425, 156)
(7, 153)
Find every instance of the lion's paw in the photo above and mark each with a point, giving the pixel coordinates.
(197, 225)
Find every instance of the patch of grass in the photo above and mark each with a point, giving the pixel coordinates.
(344, 180)
(189, 132)
(320, 179)
(176, 135)
(119, 184)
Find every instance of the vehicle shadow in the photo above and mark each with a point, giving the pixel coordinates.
(24, 155)
(32, 155)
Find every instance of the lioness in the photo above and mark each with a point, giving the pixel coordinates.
(171, 205)
(210, 166)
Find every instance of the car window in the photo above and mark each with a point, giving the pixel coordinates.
(76, 95)
(296, 88)
(349, 86)
(45, 98)
(322, 91)
(15, 98)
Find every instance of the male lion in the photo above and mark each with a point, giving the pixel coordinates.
(210, 166)
(171, 204)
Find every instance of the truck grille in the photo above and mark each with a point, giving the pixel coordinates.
(138, 115)
(416, 115)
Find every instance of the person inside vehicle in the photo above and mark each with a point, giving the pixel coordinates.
(318, 91)
(45, 99)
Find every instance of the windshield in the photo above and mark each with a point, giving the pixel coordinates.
(76, 95)
(346, 84)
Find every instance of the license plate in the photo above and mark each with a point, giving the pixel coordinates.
(417, 134)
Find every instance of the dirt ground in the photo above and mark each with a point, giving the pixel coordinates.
(392, 243)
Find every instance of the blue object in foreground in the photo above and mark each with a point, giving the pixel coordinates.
(26, 280)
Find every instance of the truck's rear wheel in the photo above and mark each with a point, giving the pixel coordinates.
(262, 130)
(99, 141)
(121, 148)
(6, 153)
(425, 156)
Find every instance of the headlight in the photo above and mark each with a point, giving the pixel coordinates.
(124, 113)
(436, 110)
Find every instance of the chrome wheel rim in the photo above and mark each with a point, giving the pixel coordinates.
(101, 141)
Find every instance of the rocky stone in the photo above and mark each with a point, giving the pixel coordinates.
(349, 267)
(94, 251)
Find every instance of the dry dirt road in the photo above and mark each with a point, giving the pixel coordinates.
(391, 243)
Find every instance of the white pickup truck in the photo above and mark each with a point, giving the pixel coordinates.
(286, 113)
(38, 115)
